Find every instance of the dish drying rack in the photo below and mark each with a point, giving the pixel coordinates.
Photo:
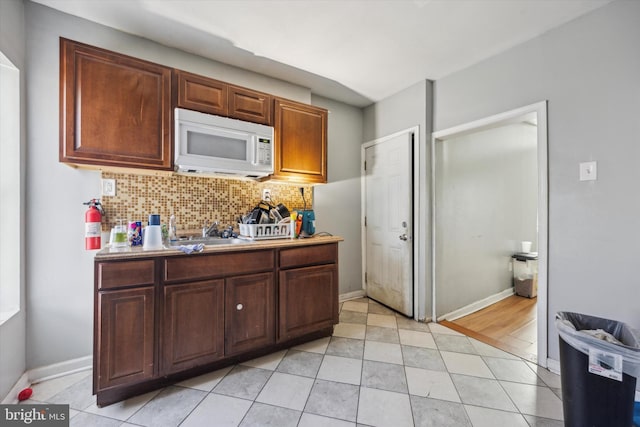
(265, 231)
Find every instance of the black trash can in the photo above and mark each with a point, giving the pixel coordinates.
(603, 397)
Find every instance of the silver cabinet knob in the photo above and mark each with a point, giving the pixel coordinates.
(404, 237)
(239, 307)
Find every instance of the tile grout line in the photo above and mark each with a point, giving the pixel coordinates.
(315, 379)
(192, 410)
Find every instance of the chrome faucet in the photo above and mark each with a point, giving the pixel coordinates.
(210, 231)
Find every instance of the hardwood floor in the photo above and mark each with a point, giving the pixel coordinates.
(509, 324)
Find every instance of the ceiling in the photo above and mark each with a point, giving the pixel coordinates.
(354, 51)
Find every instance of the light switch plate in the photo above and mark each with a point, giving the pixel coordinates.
(588, 171)
(108, 187)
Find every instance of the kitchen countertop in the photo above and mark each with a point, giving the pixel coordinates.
(137, 251)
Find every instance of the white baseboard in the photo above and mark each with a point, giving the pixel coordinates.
(553, 366)
(352, 295)
(49, 372)
(21, 384)
(475, 306)
(60, 369)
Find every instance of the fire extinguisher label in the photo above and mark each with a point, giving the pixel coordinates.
(92, 229)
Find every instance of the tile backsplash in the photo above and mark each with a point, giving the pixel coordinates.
(192, 199)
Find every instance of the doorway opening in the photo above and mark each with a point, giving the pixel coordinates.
(489, 195)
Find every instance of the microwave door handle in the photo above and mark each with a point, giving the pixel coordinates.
(254, 149)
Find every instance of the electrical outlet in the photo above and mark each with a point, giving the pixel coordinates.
(588, 171)
(266, 195)
(108, 187)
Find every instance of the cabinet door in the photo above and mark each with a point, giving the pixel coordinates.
(308, 300)
(301, 142)
(125, 330)
(202, 94)
(115, 109)
(193, 325)
(249, 105)
(250, 315)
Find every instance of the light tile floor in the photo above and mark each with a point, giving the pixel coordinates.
(378, 369)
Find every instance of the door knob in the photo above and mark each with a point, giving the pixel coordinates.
(404, 237)
(239, 307)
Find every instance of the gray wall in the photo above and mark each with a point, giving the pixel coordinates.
(60, 271)
(337, 203)
(486, 205)
(408, 108)
(588, 71)
(12, 332)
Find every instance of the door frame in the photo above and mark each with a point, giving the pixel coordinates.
(416, 233)
(543, 206)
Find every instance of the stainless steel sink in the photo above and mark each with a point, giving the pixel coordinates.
(208, 241)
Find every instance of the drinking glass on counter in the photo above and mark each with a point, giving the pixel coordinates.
(119, 235)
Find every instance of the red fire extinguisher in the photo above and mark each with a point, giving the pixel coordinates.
(93, 224)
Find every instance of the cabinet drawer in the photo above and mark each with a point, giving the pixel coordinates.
(128, 273)
(196, 267)
(309, 255)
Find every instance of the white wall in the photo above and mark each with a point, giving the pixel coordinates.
(60, 271)
(406, 109)
(13, 331)
(337, 203)
(588, 71)
(486, 204)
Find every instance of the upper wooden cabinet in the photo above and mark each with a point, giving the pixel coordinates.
(301, 142)
(250, 105)
(115, 110)
(202, 94)
(215, 97)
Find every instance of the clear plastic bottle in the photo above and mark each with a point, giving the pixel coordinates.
(172, 228)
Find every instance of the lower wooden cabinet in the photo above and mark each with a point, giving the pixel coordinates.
(162, 319)
(192, 325)
(249, 313)
(125, 343)
(308, 300)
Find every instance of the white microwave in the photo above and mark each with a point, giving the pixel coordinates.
(213, 145)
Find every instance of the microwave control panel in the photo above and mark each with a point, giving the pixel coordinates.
(264, 150)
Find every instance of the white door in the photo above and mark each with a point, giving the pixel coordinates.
(388, 222)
